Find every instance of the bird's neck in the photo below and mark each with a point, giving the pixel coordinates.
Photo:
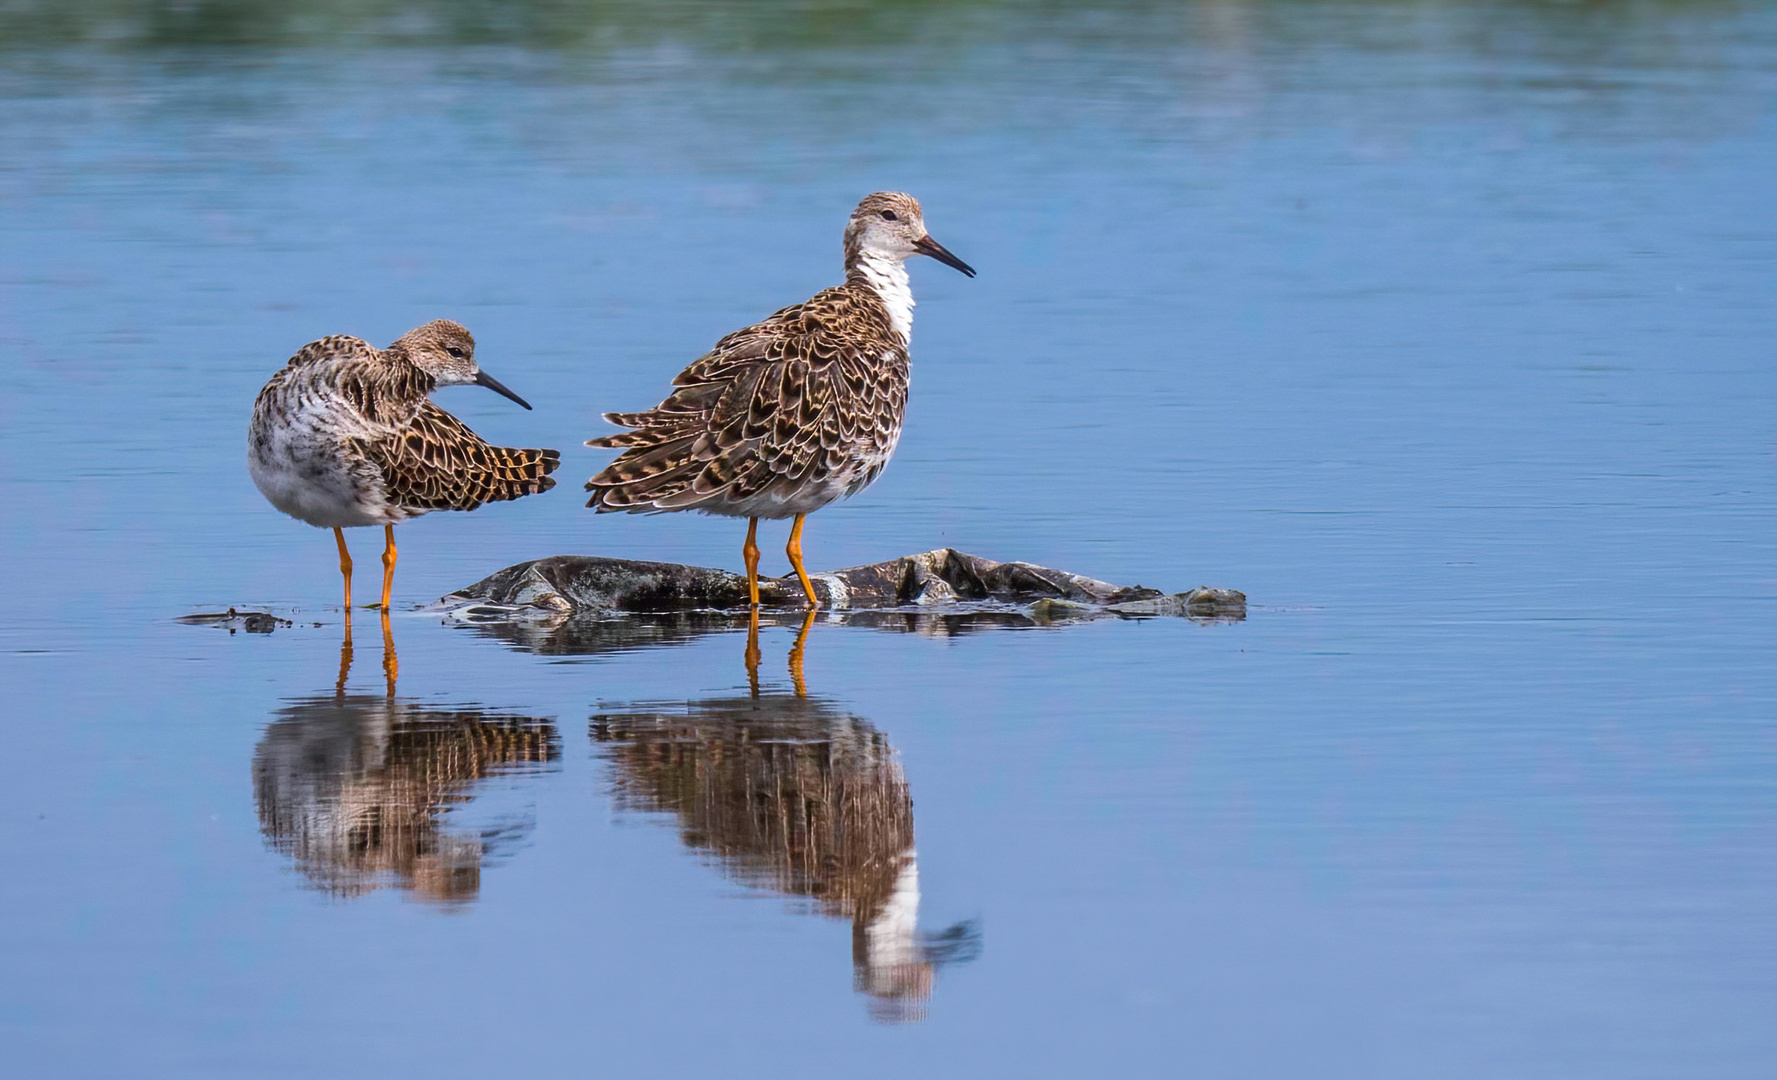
(402, 376)
(886, 276)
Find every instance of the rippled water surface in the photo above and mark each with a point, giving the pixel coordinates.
(1444, 331)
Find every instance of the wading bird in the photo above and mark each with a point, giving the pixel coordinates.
(345, 436)
(787, 415)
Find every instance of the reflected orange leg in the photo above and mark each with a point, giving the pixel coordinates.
(345, 656)
(388, 564)
(345, 570)
(753, 649)
(794, 550)
(391, 666)
(796, 654)
(750, 553)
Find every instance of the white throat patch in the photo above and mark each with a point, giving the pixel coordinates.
(888, 276)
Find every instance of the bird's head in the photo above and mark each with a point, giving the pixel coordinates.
(889, 223)
(446, 351)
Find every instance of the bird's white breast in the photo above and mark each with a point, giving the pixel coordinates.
(887, 277)
(297, 456)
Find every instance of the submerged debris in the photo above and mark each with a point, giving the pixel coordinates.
(253, 622)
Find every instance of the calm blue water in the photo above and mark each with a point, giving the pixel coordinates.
(1443, 331)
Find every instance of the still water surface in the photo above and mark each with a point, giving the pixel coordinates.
(1443, 331)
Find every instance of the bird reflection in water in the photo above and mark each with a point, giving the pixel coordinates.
(391, 664)
(753, 654)
(357, 788)
(791, 794)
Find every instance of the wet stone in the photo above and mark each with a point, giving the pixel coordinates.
(579, 585)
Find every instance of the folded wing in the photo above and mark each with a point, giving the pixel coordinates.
(435, 462)
(816, 392)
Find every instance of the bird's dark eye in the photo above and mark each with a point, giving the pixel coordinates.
(455, 353)
(888, 215)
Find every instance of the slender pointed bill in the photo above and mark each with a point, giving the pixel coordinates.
(482, 378)
(925, 245)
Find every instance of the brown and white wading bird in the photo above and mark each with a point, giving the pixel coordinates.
(345, 436)
(787, 415)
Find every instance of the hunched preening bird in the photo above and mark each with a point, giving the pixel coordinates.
(789, 414)
(345, 436)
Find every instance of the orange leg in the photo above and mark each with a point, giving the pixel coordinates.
(796, 654)
(750, 552)
(794, 550)
(388, 564)
(345, 569)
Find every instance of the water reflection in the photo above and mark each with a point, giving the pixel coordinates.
(793, 794)
(789, 793)
(391, 663)
(358, 788)
(615, 633)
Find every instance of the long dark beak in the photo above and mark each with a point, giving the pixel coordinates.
(925, 245)
(482, 378)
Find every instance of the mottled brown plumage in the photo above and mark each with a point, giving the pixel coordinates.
(809, 400)
(344, 436)
(437, 463)
(787, 415)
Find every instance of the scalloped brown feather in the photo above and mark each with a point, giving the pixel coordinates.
(812, 396)
(437, 463)
(344, 435)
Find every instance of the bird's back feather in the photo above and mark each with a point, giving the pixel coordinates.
(779, 418)
(436, 463)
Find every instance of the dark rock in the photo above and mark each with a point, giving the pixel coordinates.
(578, 586)
(568, 584)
